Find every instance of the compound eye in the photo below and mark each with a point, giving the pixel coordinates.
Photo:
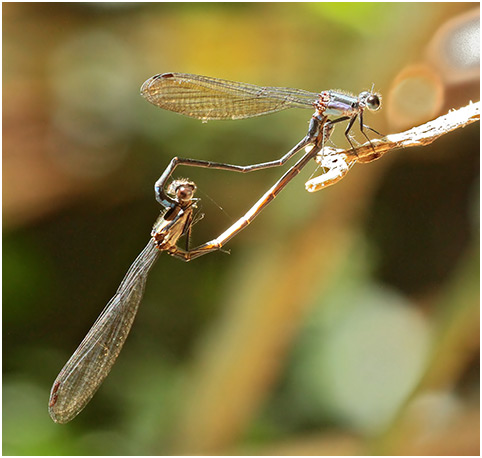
(373, 102)
(184, 192)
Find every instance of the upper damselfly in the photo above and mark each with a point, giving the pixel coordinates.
(208, 98)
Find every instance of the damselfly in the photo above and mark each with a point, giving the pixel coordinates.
(207, 98)
(90, 364)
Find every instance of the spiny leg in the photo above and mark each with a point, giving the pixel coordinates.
(362, 127)
(347, 132)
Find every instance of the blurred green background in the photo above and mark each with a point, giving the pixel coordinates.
(343, 322)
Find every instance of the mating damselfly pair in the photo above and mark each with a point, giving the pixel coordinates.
(203, 98)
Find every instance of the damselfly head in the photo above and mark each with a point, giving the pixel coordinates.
(182, 189)
(370, 100)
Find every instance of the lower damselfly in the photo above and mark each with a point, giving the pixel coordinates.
(90, 364)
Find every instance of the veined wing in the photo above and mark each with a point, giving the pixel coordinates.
(92, 361)
(207, 98)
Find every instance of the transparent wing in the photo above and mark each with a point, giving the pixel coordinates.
(207, 98)
(92, 361)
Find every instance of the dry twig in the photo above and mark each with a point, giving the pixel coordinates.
(338, 162)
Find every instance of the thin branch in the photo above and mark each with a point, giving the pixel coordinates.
(337, 162)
